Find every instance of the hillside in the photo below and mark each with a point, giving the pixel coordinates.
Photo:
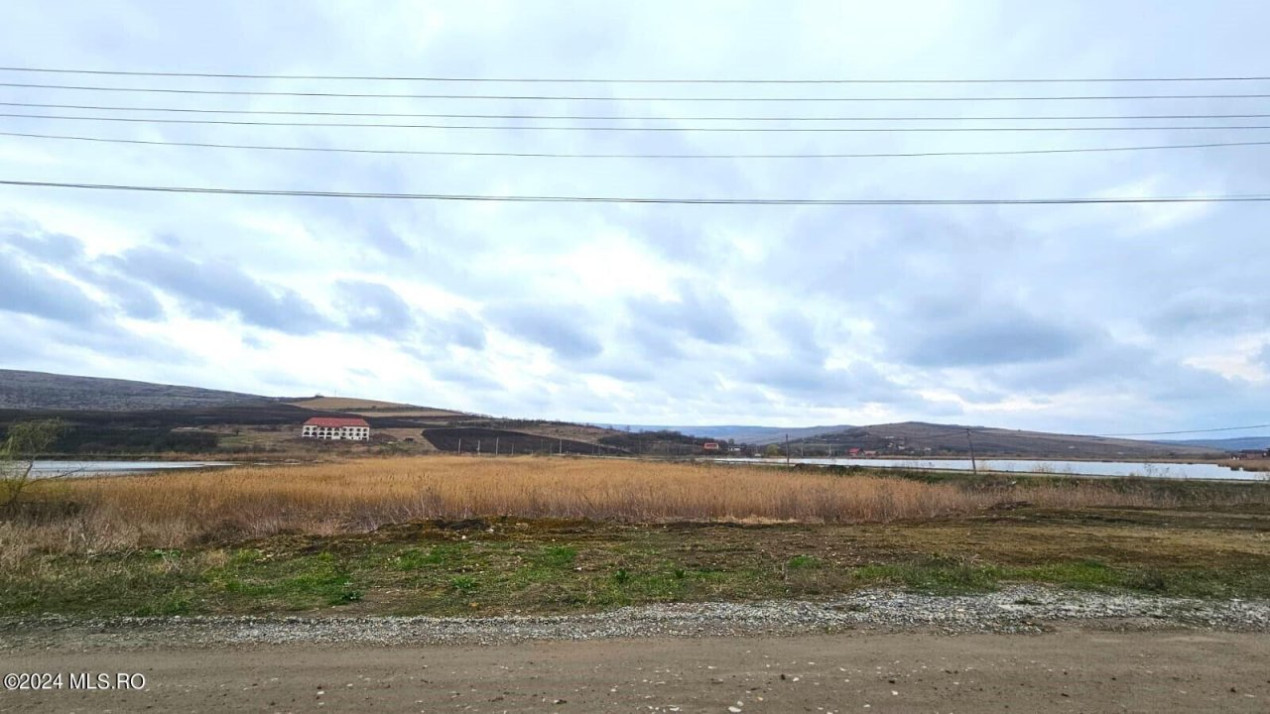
(373, 407)
(918, 438)
(40, 390)
(1238, 443)
(739, 433)
(112, 416)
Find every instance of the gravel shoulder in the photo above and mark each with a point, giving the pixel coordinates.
(1020, 609)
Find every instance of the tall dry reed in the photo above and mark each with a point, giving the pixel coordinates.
(174, 509)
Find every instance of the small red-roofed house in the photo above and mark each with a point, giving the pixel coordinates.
(336, 428)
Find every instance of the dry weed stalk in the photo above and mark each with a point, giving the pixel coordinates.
(172, 510)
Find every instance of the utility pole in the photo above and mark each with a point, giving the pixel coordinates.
(973, 466)
(787, 450)
(496, 446)
(561, 448)
(478, 447)
(460, 444)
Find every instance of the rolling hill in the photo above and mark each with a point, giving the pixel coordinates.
(40, 390)
(919, 438)
(110, 407)
(742, 434)
(1238, 443)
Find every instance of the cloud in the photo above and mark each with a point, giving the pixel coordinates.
(46, 247)
(1211, 312)
(700, 313)
(558, 327)
(34, 291)
(460, 328)
(214, 286)
(991, 340)
(1060, 316)
(374, 308)
(58, 251)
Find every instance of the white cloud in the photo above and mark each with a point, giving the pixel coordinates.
(1075, 318)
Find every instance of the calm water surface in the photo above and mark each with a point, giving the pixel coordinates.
(49, 469)
(1075, 468)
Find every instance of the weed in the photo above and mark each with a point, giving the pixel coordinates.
(561, 556)
(802, 562)
(463, 583)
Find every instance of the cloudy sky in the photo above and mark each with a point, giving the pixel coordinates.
(1094, 319)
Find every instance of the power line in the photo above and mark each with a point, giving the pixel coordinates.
(533, 97)
(574, 80)
(621, 117)
(652, 200)
(618, 117)
(1193, 431)
(552, 155)
(708, 129)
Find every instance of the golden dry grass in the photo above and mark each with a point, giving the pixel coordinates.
(372, 407)
(169, 510)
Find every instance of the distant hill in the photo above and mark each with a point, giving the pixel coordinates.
(741, 434)
(919, 438)
(1235, 444)
(40, 390)
(373, 407)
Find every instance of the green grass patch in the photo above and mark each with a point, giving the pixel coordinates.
(935, 575)
(802, 562)
(569, 567)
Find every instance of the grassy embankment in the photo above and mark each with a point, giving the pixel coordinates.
(451, 535)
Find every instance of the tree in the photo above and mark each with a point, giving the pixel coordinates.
(25, 441)
(772, 450)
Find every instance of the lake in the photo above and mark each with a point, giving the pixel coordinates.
(1205, 472)
(50, 469)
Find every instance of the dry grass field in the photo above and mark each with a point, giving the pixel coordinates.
(172, 510)
(449, 534)
(1247, 464)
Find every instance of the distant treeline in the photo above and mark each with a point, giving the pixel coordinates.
(122, 440)
(664, 441)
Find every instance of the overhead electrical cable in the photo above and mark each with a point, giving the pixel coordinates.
(1192, 431)
(588, 98)
(1108, 200)
(578, 80)
(551, 155)
(706, 129)
(618, 117)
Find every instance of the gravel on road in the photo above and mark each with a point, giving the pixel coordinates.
(1021, 609)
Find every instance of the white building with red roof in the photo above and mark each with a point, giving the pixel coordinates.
(336, 428)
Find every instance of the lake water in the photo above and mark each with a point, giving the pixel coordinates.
(1208, 472)
(49, 469)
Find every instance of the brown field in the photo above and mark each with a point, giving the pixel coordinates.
(1247, 464)
(174, 510)
(372, 407)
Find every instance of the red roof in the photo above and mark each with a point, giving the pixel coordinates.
(336, 422)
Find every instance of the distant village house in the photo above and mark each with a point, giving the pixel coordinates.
(336, 428)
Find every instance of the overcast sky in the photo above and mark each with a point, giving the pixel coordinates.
(1093, 319)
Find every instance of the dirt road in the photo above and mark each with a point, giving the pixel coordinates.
(1073, 670)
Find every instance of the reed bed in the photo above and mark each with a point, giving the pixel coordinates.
(176, 510)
